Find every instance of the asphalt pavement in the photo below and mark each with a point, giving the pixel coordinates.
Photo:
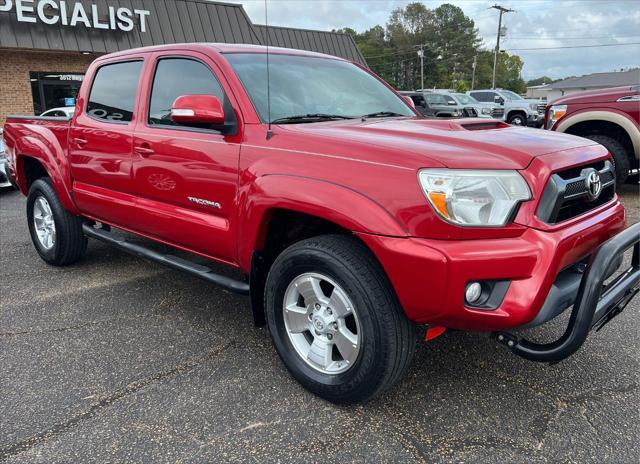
(116, 359)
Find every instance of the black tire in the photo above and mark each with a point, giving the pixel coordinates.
(388, 337)
(517, 119)
(70, 243)
(620, 156)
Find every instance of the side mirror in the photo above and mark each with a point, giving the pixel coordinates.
(499, 100)
(409, 101)
(197, 109)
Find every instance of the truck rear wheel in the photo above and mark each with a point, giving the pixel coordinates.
(336, 321)
(620, 155)
(56, 233)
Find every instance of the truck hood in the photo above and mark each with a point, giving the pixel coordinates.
(472, 143)
(597, 96)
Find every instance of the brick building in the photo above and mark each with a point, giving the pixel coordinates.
(47, 45)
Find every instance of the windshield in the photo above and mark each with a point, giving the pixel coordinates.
(303, 85)
(465, 99)
(509, 95)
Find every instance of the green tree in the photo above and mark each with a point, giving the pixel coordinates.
(507, 72)
(539, 81)
(449, 40)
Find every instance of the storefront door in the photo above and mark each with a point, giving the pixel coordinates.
(54, 90)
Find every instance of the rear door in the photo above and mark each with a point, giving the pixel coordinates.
(186, 177)
(100, 142)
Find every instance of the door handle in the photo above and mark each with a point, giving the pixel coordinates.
(80, 142)
(144, 151)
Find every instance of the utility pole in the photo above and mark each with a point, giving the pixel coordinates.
(502, 11)
(473, 73)
(421, 55)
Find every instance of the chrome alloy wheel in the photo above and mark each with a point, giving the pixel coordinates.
(44, 223)
(322, 323)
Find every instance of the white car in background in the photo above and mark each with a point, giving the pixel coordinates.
(518, 111)
(483, 110)
(62, 112)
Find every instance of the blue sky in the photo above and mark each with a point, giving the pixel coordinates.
(535, 24)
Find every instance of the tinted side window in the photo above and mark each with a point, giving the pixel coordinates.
(176, 77)
(436, 99)
(480, 96)
(113, 92)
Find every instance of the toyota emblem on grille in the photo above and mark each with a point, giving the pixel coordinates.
(594, 184)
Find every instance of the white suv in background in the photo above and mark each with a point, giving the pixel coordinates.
(518, 111)
(482, 109)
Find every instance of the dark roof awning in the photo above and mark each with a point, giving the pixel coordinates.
(167, 22)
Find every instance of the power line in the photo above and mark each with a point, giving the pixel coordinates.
(573, 46)
(571, 38)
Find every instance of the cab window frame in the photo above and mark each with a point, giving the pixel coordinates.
(135, 96)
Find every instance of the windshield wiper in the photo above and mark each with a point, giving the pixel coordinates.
(381, 114)
(311, 117)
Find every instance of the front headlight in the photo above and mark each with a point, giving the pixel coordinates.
(533, 106)
(555, 113)
(479, 198)
(486, 110)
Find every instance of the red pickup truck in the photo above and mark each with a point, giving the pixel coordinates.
(354, 220)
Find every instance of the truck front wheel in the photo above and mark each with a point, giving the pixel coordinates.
(335, 320)
(56, 233)
(517, 119)
(620, 156)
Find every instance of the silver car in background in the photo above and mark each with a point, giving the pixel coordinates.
(4, 178)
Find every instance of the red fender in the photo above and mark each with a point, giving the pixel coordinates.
(332, 202)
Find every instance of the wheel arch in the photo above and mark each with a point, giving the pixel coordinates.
(30, 167)
(620, 120)
(280, 211)
(516, 111)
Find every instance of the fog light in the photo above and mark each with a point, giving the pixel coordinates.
(473, 292)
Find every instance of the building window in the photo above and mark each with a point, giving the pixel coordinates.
(54, 90)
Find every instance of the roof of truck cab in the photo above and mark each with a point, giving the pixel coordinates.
(219, 48)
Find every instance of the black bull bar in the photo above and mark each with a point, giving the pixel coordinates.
(595, 305)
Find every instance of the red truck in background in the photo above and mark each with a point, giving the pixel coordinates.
(610, 117)
(353, 219)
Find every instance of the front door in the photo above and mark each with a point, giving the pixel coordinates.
(186, 176)
(100, 143)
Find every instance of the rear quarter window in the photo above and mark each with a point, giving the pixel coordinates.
(113, 92)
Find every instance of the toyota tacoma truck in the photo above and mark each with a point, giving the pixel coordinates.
(610, 117)
(353, 222)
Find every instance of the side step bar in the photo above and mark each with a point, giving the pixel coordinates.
(174, 262)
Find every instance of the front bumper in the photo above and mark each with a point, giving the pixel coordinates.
(535, 120)
(596, 302)
(4, 174)
(430, 276)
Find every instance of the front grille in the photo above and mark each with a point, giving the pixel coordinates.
(469, 112)
(541, 108)
(497, 112)
(569, 194)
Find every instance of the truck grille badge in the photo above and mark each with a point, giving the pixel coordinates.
(200, 201)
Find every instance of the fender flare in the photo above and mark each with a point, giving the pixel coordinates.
(516, 110)
(608, 115)
(332, 202)
(53, 157)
